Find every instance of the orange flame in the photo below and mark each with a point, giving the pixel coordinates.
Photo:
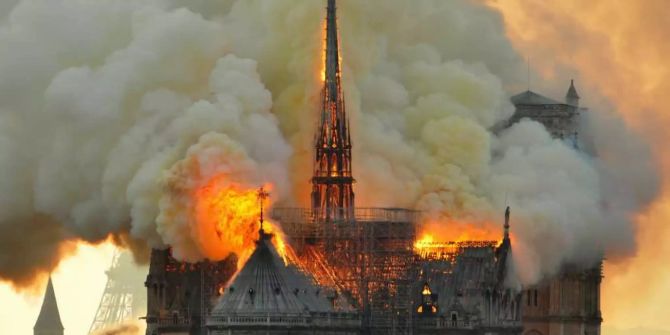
(228, 220)
(438, 236)
(322, 70)
(324, 51)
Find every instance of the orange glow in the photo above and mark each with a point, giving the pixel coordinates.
(425, 241)
(228, 220)
(322, 65)
(457, 231)
(426, 290)
(618, 50)
(445, 238)
(322, 70)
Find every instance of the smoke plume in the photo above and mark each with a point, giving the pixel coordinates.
(108, 129)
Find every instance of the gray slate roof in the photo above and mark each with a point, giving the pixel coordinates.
(266, 285)
(49, 318)
(532, 98)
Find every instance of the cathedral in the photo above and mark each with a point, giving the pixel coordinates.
(358, 270)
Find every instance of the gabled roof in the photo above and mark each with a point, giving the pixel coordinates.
(267, 285)
(49, 318)
(532, 98)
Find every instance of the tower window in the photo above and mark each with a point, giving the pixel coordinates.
(535, 297)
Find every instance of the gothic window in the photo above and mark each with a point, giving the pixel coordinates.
(535, 297)
(528, 298)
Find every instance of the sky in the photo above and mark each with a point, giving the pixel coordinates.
(617, 52)
(78, 283)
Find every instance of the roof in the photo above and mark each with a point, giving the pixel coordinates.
(267, 285)
(532, 98)
(49, 318)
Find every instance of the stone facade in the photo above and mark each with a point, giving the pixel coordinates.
(180, 295)
(568, 304)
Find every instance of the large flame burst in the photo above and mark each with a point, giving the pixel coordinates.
(228, 220)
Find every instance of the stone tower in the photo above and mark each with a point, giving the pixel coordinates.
(48, 322)
(332, 183)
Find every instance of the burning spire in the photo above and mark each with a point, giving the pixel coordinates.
(506, 226)
(332, 184)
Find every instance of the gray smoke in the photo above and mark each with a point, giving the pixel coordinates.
(99, 123)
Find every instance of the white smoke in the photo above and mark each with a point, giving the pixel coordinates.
(108, 105)
(112, 101)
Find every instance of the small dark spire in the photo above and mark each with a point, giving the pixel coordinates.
(332, 50)
(572, 98)
(48, 322)
(507, 212)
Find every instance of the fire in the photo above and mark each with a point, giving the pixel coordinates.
(228, 220)
(322, 70)
(426, 290)
(440, 237)
(324, 51)
(424, 242)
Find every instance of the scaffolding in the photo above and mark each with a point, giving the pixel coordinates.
(370, 259)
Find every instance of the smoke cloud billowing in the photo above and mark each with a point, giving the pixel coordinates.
(101, 125)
